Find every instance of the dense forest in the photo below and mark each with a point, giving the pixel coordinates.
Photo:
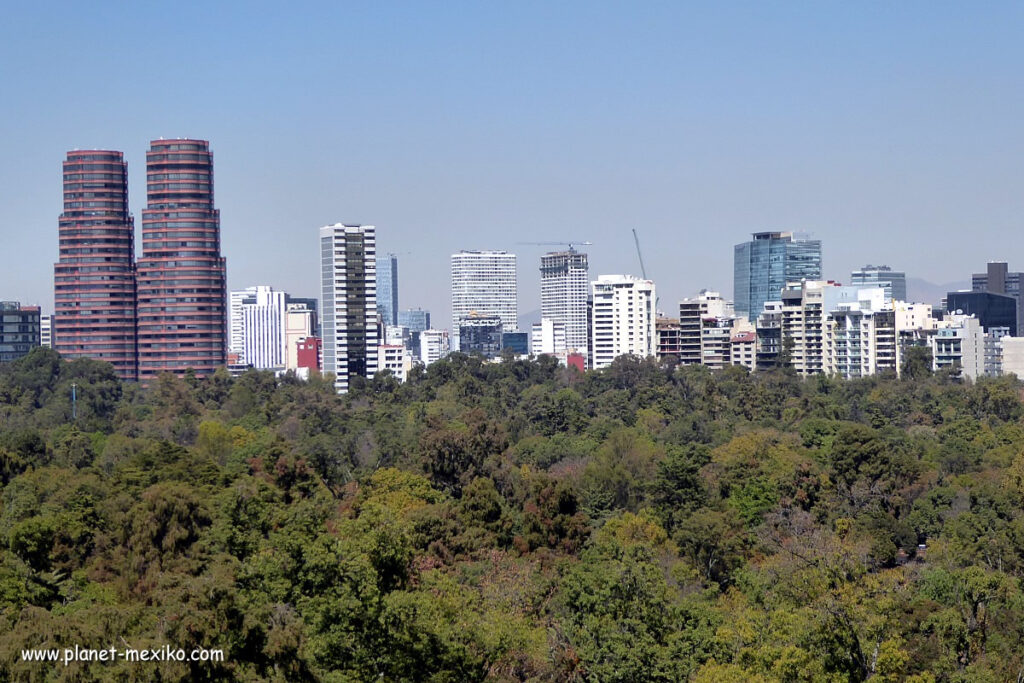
(515, 521)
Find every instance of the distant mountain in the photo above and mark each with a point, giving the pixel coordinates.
(526, 320)
(926, 292)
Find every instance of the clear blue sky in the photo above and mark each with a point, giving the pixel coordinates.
(890, 130)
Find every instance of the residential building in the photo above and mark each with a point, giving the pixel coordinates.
(766, 264)
(480, 334)
(484, 284)
(861, 341)
(19, 330)
(623, 318)
(348, 261)
(547, 337)
(959, 344)
(46, 331)
(258, 327)
(743, 348)
(894, 282)
(309, 355)
(182, 297)
(395, 358)
(668, 338)
(1012, 356)
(769, 335)
(564, 290)
(434, 345)
(300, 322)
(387, 288)
(803, 325)
(698, 317)
(94, 285)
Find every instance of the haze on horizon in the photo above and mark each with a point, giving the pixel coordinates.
(891, 131)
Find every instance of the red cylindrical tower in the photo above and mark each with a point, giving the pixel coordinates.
(94, 277)
(182, 298)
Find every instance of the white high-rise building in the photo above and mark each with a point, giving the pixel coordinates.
(433, 345)
(564, 290)
(623, 318)
(348, 278)
(46, 331)
(484, 283)
(258, 326)
(548, 336)
(959, 344)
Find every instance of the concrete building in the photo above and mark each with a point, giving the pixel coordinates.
(309, 355)
(769, 335)
(743, 348)
(434, 345)
(959, 344)
(19, 330)
(1012, 356)
(766, 264)
(701, 319)
(396, 359)
(46, 331)
(94, 279)
(182, 297)
(484, 284)
(300, 322)
(861, 342)
(803, 325)
(348, 259)
(564, 290)
(387, 288)
(258, 327)
(667, 338)
(548, 337)
(894, 282)
(623, 318)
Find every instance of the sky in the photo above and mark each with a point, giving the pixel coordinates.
(892, 131)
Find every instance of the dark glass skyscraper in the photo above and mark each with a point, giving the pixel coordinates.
(94, 277)
(182, 298)
(387, 288)
(763, 266)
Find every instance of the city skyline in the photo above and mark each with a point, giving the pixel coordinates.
(704, 123)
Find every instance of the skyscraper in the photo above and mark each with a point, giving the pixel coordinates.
(387, 288)
(258, 326)
(564, 288)
(182, 298)
(484, 283)
(763, 266)
(94, 277)
(348, 277)
(623, 318)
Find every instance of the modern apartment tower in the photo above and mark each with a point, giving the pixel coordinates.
(257, 323)
(564, 288)
(348, 278)
(484, 283)
(764, 266)
(182, 297)
(94, 277)
(387, 288)
(623, 318)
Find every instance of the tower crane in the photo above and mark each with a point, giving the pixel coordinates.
(569, 243)
(639, 255)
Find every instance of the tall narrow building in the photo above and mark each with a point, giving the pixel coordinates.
(564, 288)
(94, 277)
(484, 283)
(623, 318)
(348, 278)
(182, 298)
(387, 288)
(765, 265)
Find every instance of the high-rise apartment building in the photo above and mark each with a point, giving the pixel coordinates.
(547, 337)
(387, 288)
(348, 277)
(894, 282)
(94, 277)
(764, 266)
(46, 331)
(182, 297)
(699, 316)
(434, 345)
(19, 330)
(564, 289)
(484, 283)
(258, 327)
(623, 318)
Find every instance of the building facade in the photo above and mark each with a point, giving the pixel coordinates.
(414, 319)
(547, 337)
(94, 284)
(182, 295)
(564, 289)
(623, 318)
(480, 334)
(46, 331)
(19, 330)
(434, 345)
(484, 284)
(764, 266)
(894, 282)
(387, 288)
(258, 327)
(348, 262)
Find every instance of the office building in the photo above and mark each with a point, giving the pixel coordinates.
(94, 285)
(258, 320)
(623, 318)
(414, 319)
(484, 284)
(893, 282)
(564, 290)
(19, 330)
(182, 297)
(434, 345)
(46, 331)
(349, 302)
(766, 264)
(997, 279)
(387, 288)
(547, 337)
(991, 309)
(517, 343)
(480, 334)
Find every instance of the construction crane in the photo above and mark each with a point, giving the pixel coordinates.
(571, 244)
(636, 238)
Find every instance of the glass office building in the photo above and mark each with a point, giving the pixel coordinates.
(763, 266)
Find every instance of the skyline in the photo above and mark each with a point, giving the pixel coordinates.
(695, 125)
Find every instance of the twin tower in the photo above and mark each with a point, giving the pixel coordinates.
(166, 312)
